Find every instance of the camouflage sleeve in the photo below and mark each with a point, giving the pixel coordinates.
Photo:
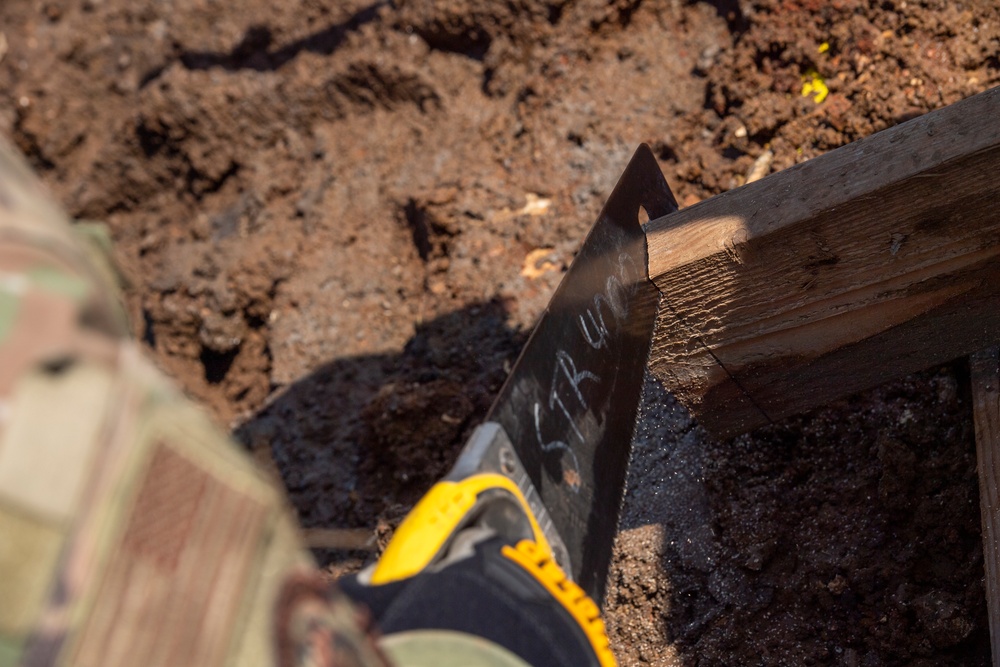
(132, 531)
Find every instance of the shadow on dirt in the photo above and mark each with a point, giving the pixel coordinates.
(362, 436)
(732, 13)
(859, 508)
(253, 51)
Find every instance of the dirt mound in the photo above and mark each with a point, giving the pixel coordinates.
(341, 219)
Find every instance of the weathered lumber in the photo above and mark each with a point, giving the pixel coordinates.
(872, 261)
(985, 368)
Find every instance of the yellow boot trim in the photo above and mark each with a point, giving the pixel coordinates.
(432, 522)
(538, 561)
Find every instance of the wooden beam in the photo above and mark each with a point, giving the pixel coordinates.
(875, 260)
(985, 368)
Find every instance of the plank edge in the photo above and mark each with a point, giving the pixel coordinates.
(985, 377)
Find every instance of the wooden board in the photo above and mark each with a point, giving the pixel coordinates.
(985, 368)
(872, 261)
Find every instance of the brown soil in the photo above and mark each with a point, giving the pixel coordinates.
(341, 219)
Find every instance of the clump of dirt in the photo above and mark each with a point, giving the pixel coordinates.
(340, 221)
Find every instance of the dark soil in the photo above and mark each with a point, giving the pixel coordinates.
(340, 221)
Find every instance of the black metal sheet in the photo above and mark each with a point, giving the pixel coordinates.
(569, 405)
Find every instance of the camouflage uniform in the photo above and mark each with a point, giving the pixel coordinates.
(131, 529)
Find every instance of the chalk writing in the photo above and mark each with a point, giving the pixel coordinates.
(571, 381)
(557, 445)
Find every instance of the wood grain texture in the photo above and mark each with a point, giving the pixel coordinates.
(875, 260)
(985, 368)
